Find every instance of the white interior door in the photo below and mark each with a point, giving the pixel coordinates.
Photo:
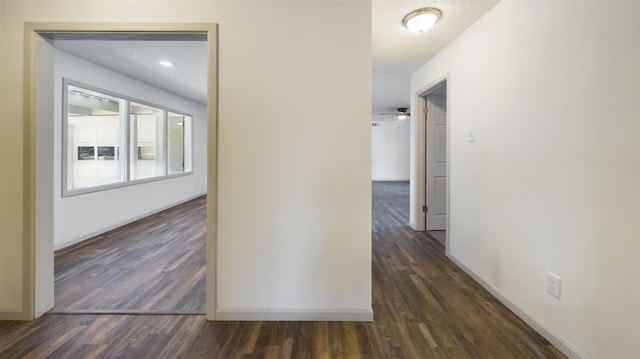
(436, 166)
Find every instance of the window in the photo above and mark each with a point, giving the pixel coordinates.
(94, 127)
(112, 141)
(178, 158)
(147, 132)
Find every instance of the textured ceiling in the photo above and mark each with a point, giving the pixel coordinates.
(396, 50)
(139, 59)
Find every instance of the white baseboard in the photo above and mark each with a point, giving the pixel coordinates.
(529, 318)
(120, 224)
(11, 314)
(345, 315)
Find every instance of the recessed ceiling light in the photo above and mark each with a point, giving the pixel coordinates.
(166, 63)
(421, 20)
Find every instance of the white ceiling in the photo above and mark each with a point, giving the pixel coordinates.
(396, 50)
(139, 59)
(389, 92)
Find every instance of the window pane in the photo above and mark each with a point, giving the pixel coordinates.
(147, 132)
(93, 139)
(178, 143)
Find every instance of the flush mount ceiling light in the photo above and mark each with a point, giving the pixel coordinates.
(421, 20)
(166, 63)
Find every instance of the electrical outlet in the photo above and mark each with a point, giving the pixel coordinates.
(553, 285)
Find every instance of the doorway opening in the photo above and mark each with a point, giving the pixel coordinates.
(43, 146)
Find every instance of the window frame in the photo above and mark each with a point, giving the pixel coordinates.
(125, 153)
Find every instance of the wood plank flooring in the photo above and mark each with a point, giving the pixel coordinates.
(154, 265)
(438, 236)
(425, 307)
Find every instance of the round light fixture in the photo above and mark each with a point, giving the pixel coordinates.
(421, 20)
(166, 63)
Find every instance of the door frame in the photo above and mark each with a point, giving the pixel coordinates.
(33, 278)
(418, 174)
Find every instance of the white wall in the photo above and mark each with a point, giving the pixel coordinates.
(82, 216)
(11, 202)
(390, 140)
(294, 223)
(390, 149)
(552, 181)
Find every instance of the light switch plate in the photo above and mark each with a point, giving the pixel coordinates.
(471, 135)
(553, 285)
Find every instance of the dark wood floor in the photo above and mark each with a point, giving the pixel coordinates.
(438, 236)
(424, 306)
(154, 265)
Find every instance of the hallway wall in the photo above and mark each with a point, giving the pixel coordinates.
(552, 180)
(390, 150)
(294, 173)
